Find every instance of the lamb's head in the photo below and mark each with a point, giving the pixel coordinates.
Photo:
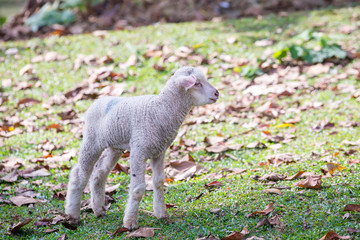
(193, 82)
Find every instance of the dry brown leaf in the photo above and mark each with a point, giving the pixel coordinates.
(219, 147)
(296, 176)
(55, 126)
(234, 236)
(120, 168)
(50, 230)
(213, 184)
(317, 69)
(255, 238)
(352, 207)
(37, 173)
(332, 167)
(14, 229)
(21, 200)
(309, 182)
(119, 231)
(209, 237)
(28, 69)
(142, 232)
(131, 61)
(354, 161)
(26, 102)
(112, 189)
(11, 177)
(268, 209)
(62, 237)
(272, 177)
(280, 158)
(182, 170)
(331, 235)
(273, 191)
(11, 163)
(66, 115)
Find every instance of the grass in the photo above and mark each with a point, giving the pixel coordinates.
(321, 210)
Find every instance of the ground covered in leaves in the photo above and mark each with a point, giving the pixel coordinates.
(277, 157)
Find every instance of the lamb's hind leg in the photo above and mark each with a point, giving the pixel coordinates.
(79, 176)
(158, 177)
(106, 163)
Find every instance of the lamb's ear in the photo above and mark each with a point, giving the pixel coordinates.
(187, 82)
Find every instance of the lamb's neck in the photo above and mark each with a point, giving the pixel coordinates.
(176, 105)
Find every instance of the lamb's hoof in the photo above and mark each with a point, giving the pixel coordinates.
(131, 224)
(100, 214)
(161, 215)
(72, 220)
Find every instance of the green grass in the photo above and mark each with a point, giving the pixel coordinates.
(239, 195)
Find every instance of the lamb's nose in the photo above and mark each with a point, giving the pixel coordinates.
(217, 93)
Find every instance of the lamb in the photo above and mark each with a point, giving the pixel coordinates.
(145, 126)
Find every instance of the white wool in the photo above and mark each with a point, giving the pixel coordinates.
(144, 125)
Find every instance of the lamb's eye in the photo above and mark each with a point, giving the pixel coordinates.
(198, 84)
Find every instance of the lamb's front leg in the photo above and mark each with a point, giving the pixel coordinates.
(137, 189)
(158, 177)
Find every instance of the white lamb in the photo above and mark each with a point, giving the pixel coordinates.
(145, 126)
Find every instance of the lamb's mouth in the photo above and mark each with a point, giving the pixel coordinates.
(213, 99)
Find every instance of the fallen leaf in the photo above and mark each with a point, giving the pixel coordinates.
(272, 177)
(213, 184)
(14, 229)
(264, 43)
(351, 143)
(120, 168)
(331, 235)
(62, 237)
(332, 167)
(142, 232)
(182, 170)
(256, 145)
(347, 29)
(352, 230)
(263, 222)
(296, 176)
(209, 237)
(112, 189)
(273, 191)
(50, 230)
(27, 69)
(217, 148)
(26, 102)
(67, 115)
(309, 182)
(354, 161)
(55, 126)
(11, 177)
(234, 236)
(131, 61)
(268, 209)
(352, 207)
(323, 125)
(119, 231)
(38, 173)
(21, 200)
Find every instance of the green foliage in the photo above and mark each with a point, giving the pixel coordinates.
(2, 20)
(300, 52)
(48, 15)
(250, 71)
